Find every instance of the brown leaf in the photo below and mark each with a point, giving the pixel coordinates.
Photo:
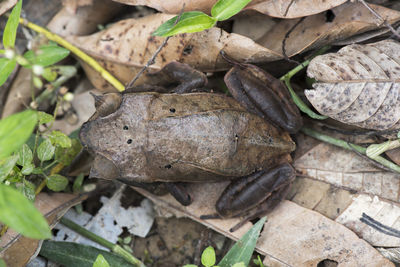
(6, 5)
(85, 19)
(17, 250)
(317, 30)
(348, 171)
(173, 6)
(72, 5)
(293, 9)
(124, 48)
(314, 233)
(274, 8)
(360, 85)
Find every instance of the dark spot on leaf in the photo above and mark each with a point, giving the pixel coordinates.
(187, 50)
(329, 16)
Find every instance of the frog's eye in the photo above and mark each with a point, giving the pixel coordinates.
(107, 104)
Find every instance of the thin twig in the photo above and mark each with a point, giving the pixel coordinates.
(152, 59)
(379, 226)
(376, 14)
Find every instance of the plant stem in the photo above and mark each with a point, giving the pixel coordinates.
(349, 146)
(296, 99)
(113, 247)
(78, 52)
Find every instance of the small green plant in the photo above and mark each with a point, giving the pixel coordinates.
(196, 21)
(239, 255)
(24, 155)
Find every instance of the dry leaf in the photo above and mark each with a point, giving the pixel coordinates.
(72, 5)
(349, 171)
(126, 46)
(382, 211)
(359, 85)
(6, 5)
(316, 237)
(17, 250)
(274, 8)
(289, 9)
(315, 31)
(85, 20)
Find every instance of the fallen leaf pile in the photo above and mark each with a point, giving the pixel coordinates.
(358, 85)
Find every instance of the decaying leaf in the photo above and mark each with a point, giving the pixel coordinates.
(17, 250)
(274, 8)
(359, 85)
(348, 171)
(124, 48)
(317, 237)
(315, 31)
(72, 5)
(382, 211)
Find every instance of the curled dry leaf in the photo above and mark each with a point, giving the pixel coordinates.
(359, 85)
(317, 237)
(125, 47)
(315, 31)
(17, 250)
(274, 8)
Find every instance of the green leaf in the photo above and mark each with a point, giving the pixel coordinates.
(19, 213)
(2, 263)
(194, 21)
(100, 262)
(10, 31)
(25, 155)
(15, 130)
(58, 138)
(239, 264)
(29, 190)
(67, 155)
(76, 187)
(6, 68)
(28, 169)
(47, 55)
(243, 248)
(208, 257)
(72, 254)
(45, 150)
(6, 166)
(44, 117)
(57, 182)
(224, 9)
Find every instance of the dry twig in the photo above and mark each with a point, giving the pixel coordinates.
(376, 14)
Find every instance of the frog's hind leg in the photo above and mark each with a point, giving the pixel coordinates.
(178, 191)
(264, 208)
(254, 195)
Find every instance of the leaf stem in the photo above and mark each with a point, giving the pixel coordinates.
(98, 239)
(78, 52)
(296, 99)
(349, 146)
